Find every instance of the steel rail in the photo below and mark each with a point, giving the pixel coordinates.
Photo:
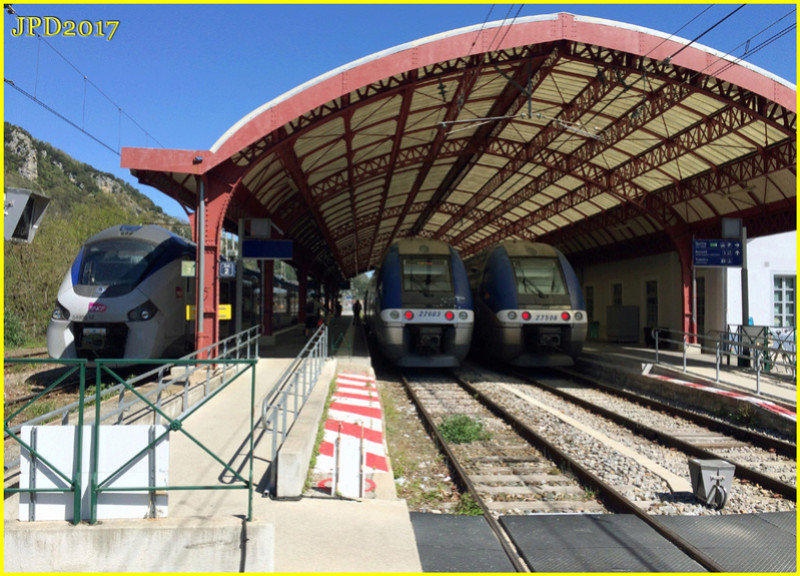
(612, 497)
(787, 491)
(462, 479)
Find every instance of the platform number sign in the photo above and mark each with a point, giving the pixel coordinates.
(227, 269)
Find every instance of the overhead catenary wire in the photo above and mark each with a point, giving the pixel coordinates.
(87, 82)
(706, 31)
(59, 115)
(668, 38)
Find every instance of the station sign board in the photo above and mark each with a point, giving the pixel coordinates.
(717, 253)
(267, 249)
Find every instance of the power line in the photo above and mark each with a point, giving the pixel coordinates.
(58, 114)
(9, 8)
(707, 30)
(676, 32)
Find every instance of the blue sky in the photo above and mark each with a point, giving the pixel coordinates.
(184, 73)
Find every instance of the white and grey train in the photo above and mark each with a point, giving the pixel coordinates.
(418, 306)
(529, 307)
(124, 298)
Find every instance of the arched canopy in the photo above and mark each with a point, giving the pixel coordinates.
(602, 138)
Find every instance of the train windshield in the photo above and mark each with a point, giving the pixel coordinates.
(540, 277)
(116, 264)
(427, 276)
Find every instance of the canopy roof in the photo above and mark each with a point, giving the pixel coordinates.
(604, 139)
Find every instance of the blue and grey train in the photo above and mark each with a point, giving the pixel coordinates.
(418, 306)
(124, 297)
(529, 308)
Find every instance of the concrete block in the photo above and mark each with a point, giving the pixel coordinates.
(294, 457)
(162, 545)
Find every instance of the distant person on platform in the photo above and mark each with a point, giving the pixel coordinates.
(356, 313)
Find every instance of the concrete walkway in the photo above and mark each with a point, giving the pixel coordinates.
(775, 385)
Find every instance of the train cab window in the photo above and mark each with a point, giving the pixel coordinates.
(427, 275)
(115, 262)
(539, 277)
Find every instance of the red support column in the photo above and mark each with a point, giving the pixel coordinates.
(216, 199)
(684, 246)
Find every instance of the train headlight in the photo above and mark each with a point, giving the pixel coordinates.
(526, 315)
(463, 315)
(394, 315)
(565, 316)
(579, 316)
(512, 315)
(59, 312)
(449, 315)
(409, 315)
(143, 313)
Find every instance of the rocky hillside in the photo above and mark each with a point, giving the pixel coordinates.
(83, 202)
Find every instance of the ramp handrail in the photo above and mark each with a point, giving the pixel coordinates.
(290, 392)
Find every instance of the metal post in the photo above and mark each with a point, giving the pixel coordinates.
(151, 468)
(758, 370)
(32, 471)
(655, 333)
(252, 441)
(719, 358)
(296, 398)
(694, 302)
(362, 476)
(201, 258)
(78, 481)
(745, 361)
(95, 459)
(685, 346)
(239, 279)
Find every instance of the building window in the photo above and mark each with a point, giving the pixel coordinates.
(589, 293)
(783, 301)
(616, 295)
(651, 299)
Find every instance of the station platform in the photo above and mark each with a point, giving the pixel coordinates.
(775, 385)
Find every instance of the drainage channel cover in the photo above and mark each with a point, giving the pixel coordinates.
(448, 543)
(594, 543)
(764, 542)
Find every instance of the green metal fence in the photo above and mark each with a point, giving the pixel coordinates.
(232, 359)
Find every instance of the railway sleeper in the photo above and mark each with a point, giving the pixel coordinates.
(533, 490)
(509, 478)
(542, 506)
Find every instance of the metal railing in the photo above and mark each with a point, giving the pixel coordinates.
(770, 350)
(224, 362)
(282, 404)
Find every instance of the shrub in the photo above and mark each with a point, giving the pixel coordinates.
(13, 333)
(462, 429)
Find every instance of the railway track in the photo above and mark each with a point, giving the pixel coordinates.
(764, 460)
(519, 471)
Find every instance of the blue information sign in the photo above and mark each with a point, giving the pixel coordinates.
(267, 249)
(719, 253)
(227, 269)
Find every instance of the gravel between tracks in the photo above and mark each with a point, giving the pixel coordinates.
(423, 480)
(636, 482)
